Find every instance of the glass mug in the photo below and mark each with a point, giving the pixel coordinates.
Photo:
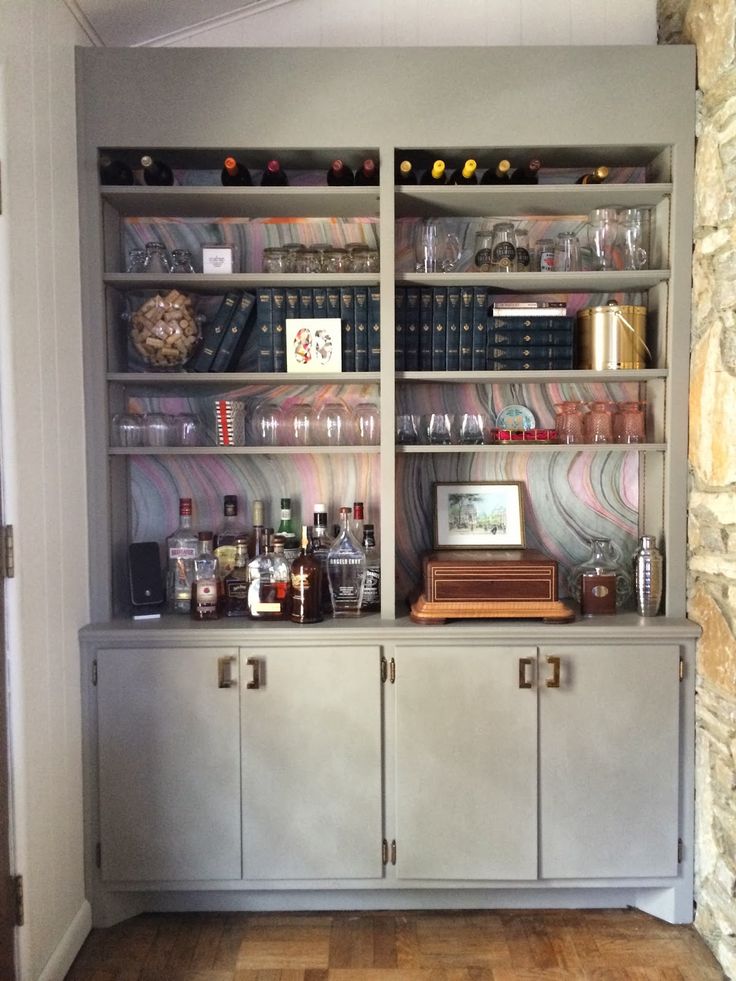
(602, 235)
(634, 224)
(434, 249)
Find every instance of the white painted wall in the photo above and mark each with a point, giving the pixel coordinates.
(42, 420)
(389, 23)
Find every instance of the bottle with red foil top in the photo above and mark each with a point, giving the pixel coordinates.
(273, 175)
(181, 550)
(206, 582)
(367, 173)
(340, 175)
(235, 174)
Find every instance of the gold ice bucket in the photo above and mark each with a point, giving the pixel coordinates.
(611, 337)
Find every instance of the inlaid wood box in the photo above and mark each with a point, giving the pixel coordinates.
(512, 574)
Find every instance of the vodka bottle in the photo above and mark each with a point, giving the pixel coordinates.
(346, 570)
(205, 599)
(181, 550)
(648, 576)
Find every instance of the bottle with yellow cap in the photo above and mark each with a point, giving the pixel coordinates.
(405, 173)
(465, 174)
(435, 174)
(596, 176)
(497, 175)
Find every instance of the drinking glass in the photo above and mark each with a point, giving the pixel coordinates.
(333, 424)
(602, 235)
(181, 261)
(364, 260)
(275, 260)
(471, 428)
(157, 429)
(307, 261)
(570, 422)
(567, 253)
(298, 424)
(628, 423)
(544, 255)
(439, 428)
(188, 430)
(336, 261)
(136, 261)
(157, 259)
(127, 429)
(407, 429)
(634, 237)
(435, 250)
(266, 424)
(366, 423)
(598, 423)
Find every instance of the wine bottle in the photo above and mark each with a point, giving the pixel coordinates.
(273, 175)
(528, 174)
(465, 174)
(497, 175)
(156, 173)
(435, 174)
(595, 177)
(367, 173)
(339, 174)
(235, 174)
(405, 173)
(115, 172)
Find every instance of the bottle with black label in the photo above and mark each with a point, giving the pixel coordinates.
(228, 534)
(497, 175)
(465, 174)
(340, 175)
(235, 584)
(115, 172)
(157, 173)
(405, 173)
(372, 584)
(235, 174)
(528, 173)
(321, 544)
(596, 176)
(436, 174)
(503, 258)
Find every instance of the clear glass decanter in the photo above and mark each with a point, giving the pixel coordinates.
(605, 559)
(346, 570)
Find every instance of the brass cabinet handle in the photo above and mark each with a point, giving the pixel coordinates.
(554, 681)
(255, 664)
(224, 677)
(524, 663)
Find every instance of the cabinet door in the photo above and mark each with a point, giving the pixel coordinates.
(609, 762)
(311, 735)
(169, 764)
(466, 763)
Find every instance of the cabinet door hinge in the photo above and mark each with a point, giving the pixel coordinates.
(19, 912)
(384, 669)
(94, 673)
(392, 671)
(384, 852)
(98, 855)
(681, 669)
(680, 850)
(7, 552)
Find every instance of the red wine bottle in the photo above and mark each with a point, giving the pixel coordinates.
(528, 174)
(115, 172)
(405, 173)
(273, 175)
(157, 173)
(367, 173)
(435, 174)
(235, 174)
(596, 176)
(339, 174)
(465, 174)
(497, 175)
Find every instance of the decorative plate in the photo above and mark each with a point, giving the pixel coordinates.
(515, 417)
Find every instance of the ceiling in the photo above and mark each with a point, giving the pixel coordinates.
(129, 23)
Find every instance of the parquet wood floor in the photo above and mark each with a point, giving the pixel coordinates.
(557, 945)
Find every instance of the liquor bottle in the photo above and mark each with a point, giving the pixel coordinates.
(286, 530)
(268, 583)
(235, 584)
(228, 534)
(181, 550)
(405, 173)
(321, 544)
(497, 175)
(340, 175)
(527, 174)
(596, 176)
(205, 604)
(235, 174)
(115, 172)
(372, 587)
(157, 173)
(367, 174)
(465, 174)
(356, 525)
(257, 533)
(435, 174)
(273, 175)
(306, 585)
(346, 570)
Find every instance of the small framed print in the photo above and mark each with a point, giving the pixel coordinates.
(218, 259)
(313, 345)
(479, 515)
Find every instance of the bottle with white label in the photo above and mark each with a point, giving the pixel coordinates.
(205, 600)
(181, 550)
(268, 578)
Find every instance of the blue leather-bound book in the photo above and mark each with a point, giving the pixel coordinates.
(466, 328)
(480, 327)
(347, 315)
(214, 331)
(453, 328)
(235, 334)
(411, 334)
(399, 328)
(374, 328)
(263, 328)
(361, 328)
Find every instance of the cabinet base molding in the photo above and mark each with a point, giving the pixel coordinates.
(440, 611)
(673, 904)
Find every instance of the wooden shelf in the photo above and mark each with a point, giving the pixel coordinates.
(208, 283)
(242, 450)
(536, 448)
(548, 282)
(546, 377)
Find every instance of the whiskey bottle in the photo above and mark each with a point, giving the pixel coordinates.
(405, 173)
(205, 585)
(273, 175)
(596, 176)
(235, 584)
(181, 550)
(235, 174)
(286, 530)
(115, 172)
(528, 173)
(372, 587)
(340, 175)
(258, 529)
(435, 174)
(346, 570)
(156, 172)
(465, 174)
(268, 583)
(497, 175)
(229, 533)
(367, 174)
(306, 585)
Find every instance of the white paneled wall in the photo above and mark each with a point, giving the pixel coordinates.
(399, 23)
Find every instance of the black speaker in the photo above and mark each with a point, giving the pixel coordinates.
(146, 580)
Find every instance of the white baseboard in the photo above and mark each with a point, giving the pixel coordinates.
(69, 946)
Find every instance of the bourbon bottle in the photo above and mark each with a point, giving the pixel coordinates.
(306, 585)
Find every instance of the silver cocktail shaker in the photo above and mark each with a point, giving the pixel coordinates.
(648, 576)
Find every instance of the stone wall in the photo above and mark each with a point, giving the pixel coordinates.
(711, 26)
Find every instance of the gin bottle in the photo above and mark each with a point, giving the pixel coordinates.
(287, 532)
(181, 549)
(346, 570)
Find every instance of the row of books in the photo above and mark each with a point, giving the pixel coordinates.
(460, 328)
